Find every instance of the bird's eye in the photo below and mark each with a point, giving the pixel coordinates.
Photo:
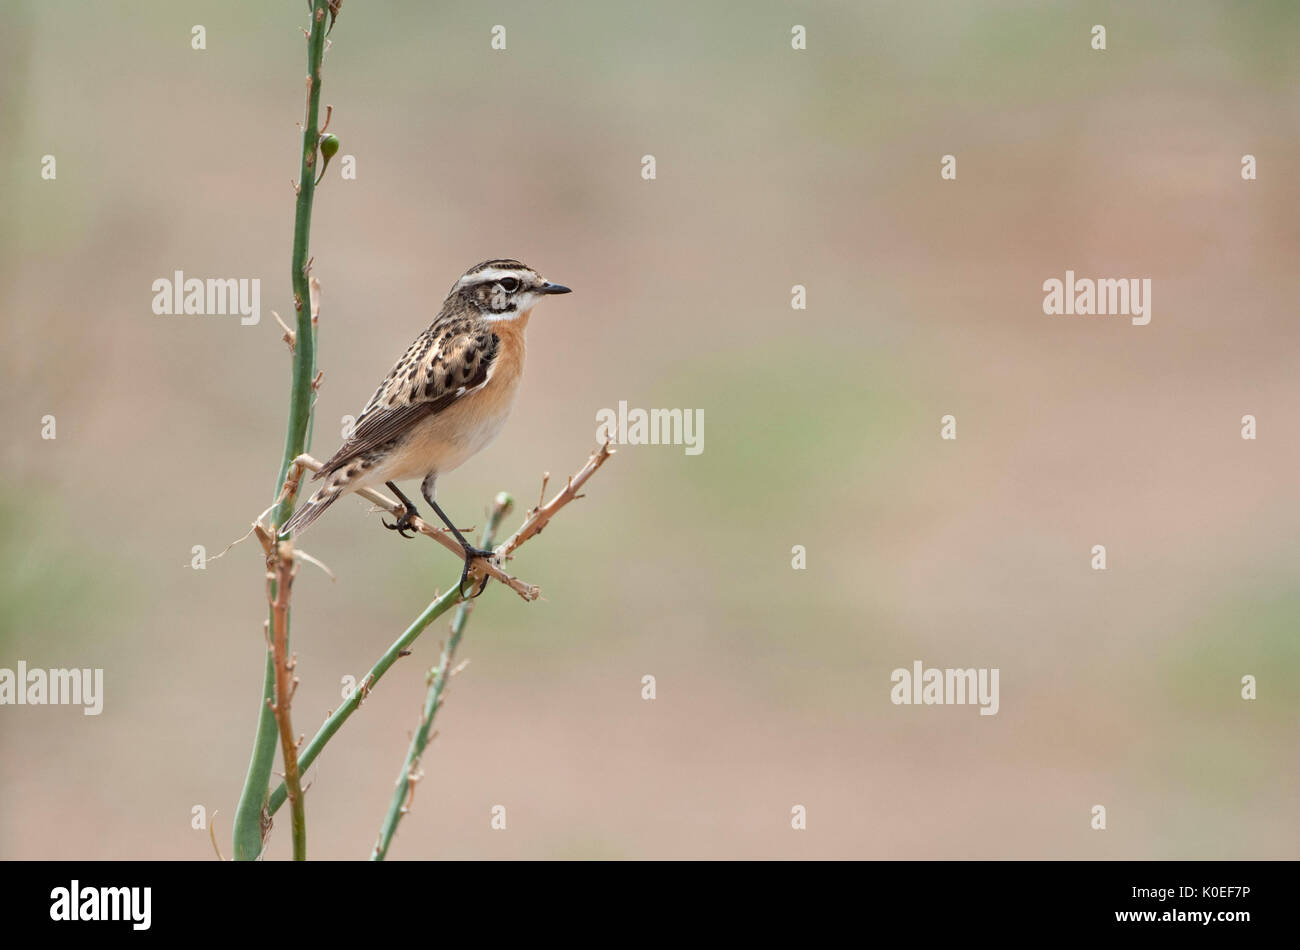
(509, 284)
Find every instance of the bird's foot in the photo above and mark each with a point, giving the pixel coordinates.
(403, 524)
(472, 553)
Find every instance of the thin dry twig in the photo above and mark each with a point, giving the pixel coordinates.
(280, 572)
(212, 835)
(290, 336)
(538, 517)
(441, 535)
(536, 520)
(541, 515)
(304, 556)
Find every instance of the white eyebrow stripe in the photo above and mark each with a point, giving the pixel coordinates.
(494, 273)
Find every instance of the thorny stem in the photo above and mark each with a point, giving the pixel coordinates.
(280, 572)
(252, 820)
(537, 519)
(440, 534)
(411, 772)
(336, 719)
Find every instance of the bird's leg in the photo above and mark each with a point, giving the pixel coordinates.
(471, 552)
(403, 523)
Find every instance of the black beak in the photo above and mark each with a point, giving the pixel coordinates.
(549, 288)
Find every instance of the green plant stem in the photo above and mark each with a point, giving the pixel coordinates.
(336, 719)
(537, 519)
(251, 817)
(437, 684)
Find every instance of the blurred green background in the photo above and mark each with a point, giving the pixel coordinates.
(775, 168)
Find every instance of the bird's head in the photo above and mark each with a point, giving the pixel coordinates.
(504, 289)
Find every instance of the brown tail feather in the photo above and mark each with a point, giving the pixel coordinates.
(313, 509)
(336, 483)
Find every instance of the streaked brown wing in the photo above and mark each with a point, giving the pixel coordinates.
(430, 378)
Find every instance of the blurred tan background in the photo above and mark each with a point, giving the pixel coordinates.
(775, 168)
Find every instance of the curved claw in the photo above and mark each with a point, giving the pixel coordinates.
(402, 525)
(470, 555)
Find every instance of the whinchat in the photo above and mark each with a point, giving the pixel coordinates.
(444, 400)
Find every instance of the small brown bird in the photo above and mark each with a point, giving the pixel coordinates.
(445, 400)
